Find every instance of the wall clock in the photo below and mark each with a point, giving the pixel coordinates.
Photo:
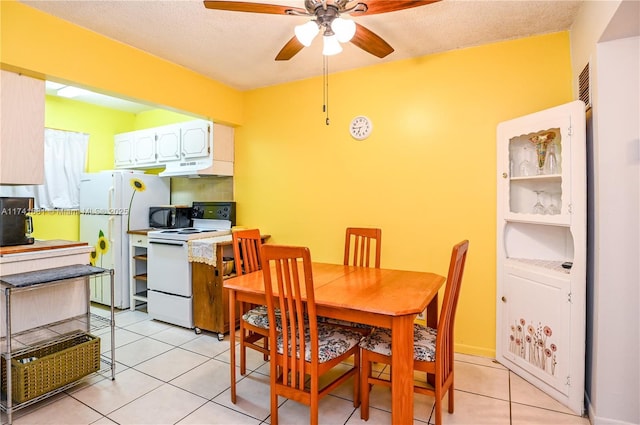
(360, 127)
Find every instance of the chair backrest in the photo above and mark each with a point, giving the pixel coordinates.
(359, 253)
(444, 338)
(288, 282)
(246, 251)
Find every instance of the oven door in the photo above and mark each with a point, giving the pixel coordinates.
(168, 265)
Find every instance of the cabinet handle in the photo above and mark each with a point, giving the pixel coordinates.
(504, 175)
(504, 299)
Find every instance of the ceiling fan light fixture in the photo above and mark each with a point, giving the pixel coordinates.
(331, 45)
(305, 33)
(344, 29)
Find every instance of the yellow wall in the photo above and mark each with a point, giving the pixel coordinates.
(426, 175)
(46, 47)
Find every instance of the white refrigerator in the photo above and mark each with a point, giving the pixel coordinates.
(111, 203)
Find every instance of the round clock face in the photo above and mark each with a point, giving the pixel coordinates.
(360, 127)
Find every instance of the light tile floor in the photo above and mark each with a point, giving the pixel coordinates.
(169, 375)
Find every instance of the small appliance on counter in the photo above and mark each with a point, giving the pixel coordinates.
(169, 217)
(15, 225)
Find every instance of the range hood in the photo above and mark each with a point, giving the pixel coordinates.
(201, 167)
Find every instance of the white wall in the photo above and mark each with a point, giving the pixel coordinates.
(615, 390)
(606, 35)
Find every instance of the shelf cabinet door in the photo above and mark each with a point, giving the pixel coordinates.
(541, 224)
(535, 333)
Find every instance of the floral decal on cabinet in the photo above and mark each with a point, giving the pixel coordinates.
(101, 247)
(534, 345)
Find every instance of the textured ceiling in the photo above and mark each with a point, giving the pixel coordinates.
(238, 49)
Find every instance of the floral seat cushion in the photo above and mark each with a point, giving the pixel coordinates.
(259, 317)
(333, 341)
(424, 342)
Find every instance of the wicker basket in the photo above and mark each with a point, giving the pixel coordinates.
(52, 366)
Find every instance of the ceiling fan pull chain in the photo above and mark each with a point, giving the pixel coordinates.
(325, 84)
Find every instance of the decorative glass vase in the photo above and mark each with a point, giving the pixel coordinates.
(541, 141)
(541, 151)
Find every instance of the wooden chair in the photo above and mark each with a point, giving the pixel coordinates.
(289, 288)
(358, 242)
(254, 323)
(433, 349)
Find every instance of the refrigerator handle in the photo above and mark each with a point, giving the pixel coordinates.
(111, 236)
(112, 191)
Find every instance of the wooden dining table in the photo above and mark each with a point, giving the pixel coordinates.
(379, 297)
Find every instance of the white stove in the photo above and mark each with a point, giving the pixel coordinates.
(170, 293)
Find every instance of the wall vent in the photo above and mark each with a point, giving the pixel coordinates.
(584, 88)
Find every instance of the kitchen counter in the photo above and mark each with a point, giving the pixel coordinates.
(140, 231)
(39, 246)
(43, 254)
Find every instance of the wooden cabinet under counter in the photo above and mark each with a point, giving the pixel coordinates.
(210, 299)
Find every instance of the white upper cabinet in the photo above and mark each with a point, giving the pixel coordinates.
(21, 129)
(196, 140)
(541, 250)
(184, 148)
(123, 145)
(168, 143)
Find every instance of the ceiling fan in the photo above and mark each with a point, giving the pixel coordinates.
(326, 18)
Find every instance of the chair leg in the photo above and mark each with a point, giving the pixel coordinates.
(357, 388)
(438, 420)
(266, 347)
(365, 373)
(451, 398)
(243, 350)
(274, 407)
(313, 410)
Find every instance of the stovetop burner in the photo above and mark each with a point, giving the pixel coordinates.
(186, 233)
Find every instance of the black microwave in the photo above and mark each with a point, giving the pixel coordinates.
(169, 217)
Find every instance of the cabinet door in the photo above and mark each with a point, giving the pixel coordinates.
(196, 139)
(531, 191)
(168, 143)
(21, 129)
(145, 147)
(535, 326)
(223, 143)
(123, 147)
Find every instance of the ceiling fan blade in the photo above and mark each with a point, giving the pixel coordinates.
(368, 41)
(384, 6)
(290, 49)
(243, 6)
